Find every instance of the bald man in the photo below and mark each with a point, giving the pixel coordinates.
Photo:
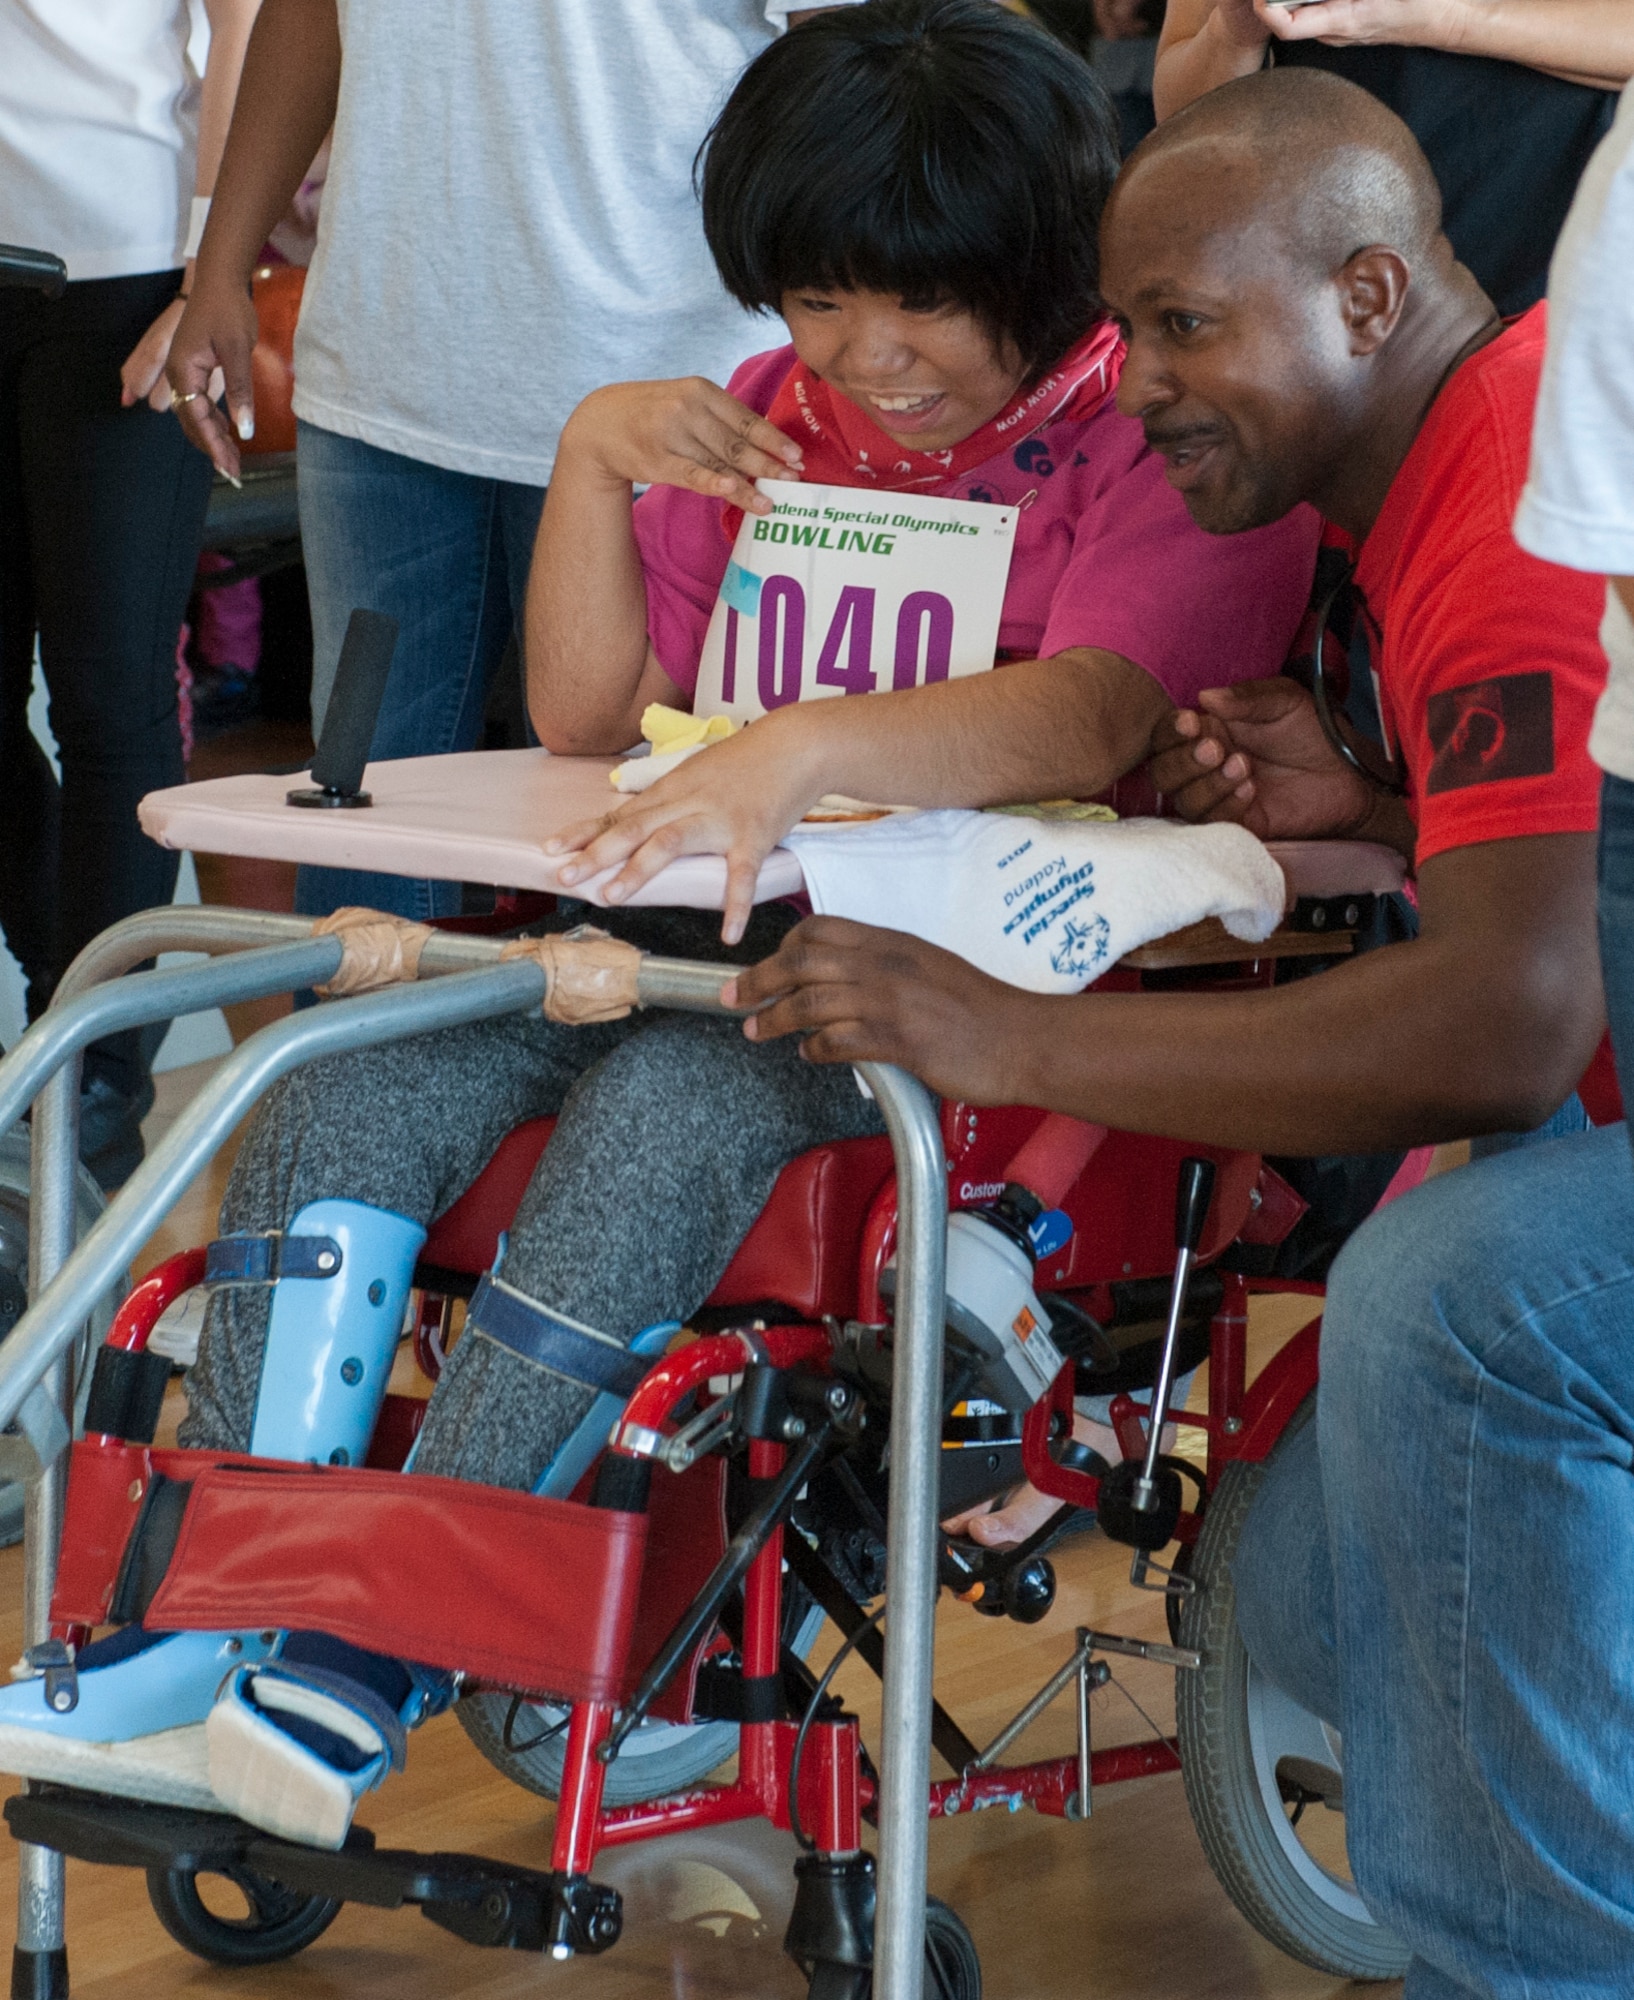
(1300, 331)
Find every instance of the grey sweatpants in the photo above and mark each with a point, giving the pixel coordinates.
(672, 1130)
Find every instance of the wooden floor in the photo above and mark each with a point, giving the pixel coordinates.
(1123, 1908)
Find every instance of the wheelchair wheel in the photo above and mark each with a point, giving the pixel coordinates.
(14, 1286)
(952, 1969)
(530, 1748)
(1263, 1776)
(249, 1919)
(527, 1740)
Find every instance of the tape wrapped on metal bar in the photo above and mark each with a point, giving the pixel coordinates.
(38, 1436)
(564, 1347)
(263, 1260)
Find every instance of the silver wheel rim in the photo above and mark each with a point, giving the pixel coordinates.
(1279, 1729)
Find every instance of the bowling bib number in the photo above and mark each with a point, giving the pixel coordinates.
(843, 592)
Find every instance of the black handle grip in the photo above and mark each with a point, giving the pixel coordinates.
(354, 701)
(34, 270)
(1192, 1197)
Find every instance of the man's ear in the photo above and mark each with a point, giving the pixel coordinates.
(1372, 291)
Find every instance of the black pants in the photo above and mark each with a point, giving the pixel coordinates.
(101, 510)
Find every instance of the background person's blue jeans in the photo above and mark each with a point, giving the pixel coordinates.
(1473, 1459)
(1465, 1619)
(446, 555)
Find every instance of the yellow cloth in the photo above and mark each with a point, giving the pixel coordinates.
(673, 729)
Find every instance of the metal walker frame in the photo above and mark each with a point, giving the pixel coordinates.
(253, 955)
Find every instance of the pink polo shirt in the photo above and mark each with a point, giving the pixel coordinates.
(1105, 555)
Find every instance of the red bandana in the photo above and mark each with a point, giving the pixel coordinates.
(845, 447)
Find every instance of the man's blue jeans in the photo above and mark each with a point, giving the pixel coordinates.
(1465, 1620)
(445, 554)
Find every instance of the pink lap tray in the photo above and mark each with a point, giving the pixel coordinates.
(484, 816)
(481, 816)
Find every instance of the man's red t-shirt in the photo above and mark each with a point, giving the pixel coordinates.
(1489, 660)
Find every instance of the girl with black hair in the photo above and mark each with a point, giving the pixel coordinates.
(916, 184)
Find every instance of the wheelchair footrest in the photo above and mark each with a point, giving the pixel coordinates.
(485, 1902)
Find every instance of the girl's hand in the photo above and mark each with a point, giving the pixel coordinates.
(1434, 24)
(143, 372)
(687, 433)
(212, 347)
(736, 798)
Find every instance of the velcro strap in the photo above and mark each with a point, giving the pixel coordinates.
(263, 1260)
(564, 1347)
(339, 1688)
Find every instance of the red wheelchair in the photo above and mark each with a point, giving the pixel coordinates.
(619, 1646)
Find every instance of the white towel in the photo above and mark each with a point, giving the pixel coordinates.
(1043, 905)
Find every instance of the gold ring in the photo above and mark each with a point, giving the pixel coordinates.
(177, 401)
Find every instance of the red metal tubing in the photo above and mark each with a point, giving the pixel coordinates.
(1047, 1786)
(1277, 1391)
(160, 1289)
(578, 1816)
(830, 1786)
(710, 1805)
(678, 1374)
(878, 1244)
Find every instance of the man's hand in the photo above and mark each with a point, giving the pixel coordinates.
(737, 798)
(217, 332)
(1256, 753)
(687, 433)
(856, 994)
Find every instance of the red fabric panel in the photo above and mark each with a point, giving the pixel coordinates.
(466, 1237)
(803, 1250)
(533, 1594)
(686, 1537)
(106, 1486)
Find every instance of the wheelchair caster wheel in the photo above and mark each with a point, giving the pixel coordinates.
(952, 1969)
(265, 1921)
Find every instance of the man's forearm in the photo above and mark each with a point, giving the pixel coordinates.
(1483, 1024)
(285, 106)
(1038, 729)
(1365, 1057)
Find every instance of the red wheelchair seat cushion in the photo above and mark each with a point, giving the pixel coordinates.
(802, 1251)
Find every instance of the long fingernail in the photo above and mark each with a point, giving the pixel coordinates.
(246, 425)
(231, 478)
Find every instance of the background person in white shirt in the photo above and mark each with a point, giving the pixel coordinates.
(509, 222)
(1578, 507)
(107, 132)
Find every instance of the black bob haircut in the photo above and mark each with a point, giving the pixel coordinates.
(946, 152)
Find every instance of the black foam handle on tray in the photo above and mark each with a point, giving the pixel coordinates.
(354, 701)
(1192, 1197)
